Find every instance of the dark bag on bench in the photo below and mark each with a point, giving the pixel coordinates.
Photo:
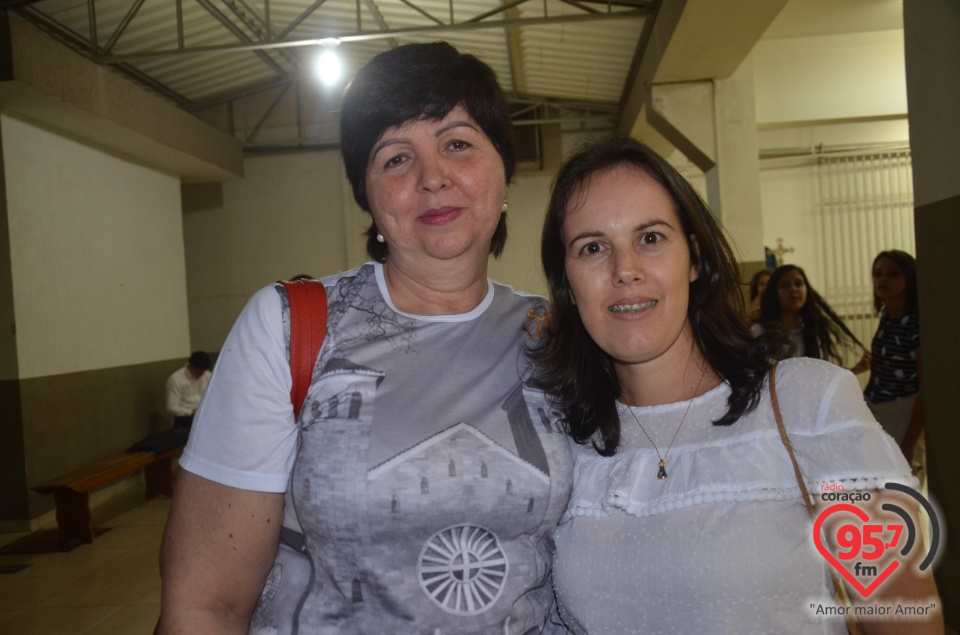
(161, 442)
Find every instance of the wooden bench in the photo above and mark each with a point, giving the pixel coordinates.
(71, 492)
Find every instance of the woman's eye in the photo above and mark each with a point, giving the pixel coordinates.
(393, 162)
(591, 248)
(650, 238)
(459, 144)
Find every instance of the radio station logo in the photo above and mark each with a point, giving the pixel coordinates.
(870, 549)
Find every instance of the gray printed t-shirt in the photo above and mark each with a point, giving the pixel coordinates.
(425, 477)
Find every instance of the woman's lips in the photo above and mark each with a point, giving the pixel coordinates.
(440, 215)
(631, 307)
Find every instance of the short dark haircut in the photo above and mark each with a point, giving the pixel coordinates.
(420, 82)
(907, 265)
(199, 360)
(824, 334)
(579, 374)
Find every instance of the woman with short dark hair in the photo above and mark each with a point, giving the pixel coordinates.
(420, 485)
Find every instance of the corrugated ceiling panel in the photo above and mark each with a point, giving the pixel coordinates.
(586, 61)
(580, 61)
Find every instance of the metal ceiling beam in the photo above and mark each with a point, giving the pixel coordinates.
(514, 44)
(381, 22)
(422, 12)
(78, 44)
(367, 36)
(260, 26)
(237, 32)
(123, 25)
(300, 18)
(266, 115)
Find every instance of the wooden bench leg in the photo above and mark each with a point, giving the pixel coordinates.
(159, 476)
(73, 516)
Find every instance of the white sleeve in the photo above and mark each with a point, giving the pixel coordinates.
(836, 438)
(244, 434)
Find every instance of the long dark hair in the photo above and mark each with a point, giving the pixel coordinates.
(824, 333)
(755, 282)
(420, 81)
(907, 265)
(578, 373)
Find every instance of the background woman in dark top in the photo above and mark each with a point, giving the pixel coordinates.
(894, 387)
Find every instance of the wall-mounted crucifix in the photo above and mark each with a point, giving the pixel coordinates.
(780, 251)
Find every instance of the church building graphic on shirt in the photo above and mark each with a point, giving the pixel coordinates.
(439, 519)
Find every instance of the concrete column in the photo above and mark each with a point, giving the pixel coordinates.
(714, 124)
(932, 50)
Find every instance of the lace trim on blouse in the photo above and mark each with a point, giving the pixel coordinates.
(744, 463)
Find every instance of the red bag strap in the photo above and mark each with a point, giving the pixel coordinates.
(308, 327)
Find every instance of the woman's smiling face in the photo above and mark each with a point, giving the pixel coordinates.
(629, 267)
(436, 187)
(792, 291)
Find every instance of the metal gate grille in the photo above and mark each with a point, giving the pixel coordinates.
(866, 206)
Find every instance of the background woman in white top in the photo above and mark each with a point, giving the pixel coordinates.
(685, 515)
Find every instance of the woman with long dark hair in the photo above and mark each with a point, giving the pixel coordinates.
(893, 392)
(686, 514)
(791, 304)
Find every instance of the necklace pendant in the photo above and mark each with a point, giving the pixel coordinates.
(662, 472)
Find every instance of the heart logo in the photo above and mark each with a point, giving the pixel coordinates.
(849, 577)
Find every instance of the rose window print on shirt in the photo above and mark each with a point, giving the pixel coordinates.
(463, 569)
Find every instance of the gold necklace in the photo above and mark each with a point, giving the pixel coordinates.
(662, 471)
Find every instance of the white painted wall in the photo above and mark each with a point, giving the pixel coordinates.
(96, 256)
(831, 77)
(789, 189)
(808, 91)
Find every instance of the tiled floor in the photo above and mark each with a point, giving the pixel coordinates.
(110, 587)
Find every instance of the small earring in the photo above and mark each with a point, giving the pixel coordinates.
(380, 238)
(503, 208)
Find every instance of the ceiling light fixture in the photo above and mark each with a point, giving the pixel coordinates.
(327, 65)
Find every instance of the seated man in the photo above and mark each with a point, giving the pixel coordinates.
(185, 387)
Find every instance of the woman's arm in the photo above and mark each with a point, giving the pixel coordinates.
(915, 427)
(218, 547)
(907, 585)
(863, 365)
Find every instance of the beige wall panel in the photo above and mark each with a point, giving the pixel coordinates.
(74, 419)
(96, 256)
(285, 217)
(519, 266)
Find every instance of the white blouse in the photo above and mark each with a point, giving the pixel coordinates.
(724, 544)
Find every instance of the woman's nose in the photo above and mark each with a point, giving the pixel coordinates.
(433, 174)
(626, 267)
